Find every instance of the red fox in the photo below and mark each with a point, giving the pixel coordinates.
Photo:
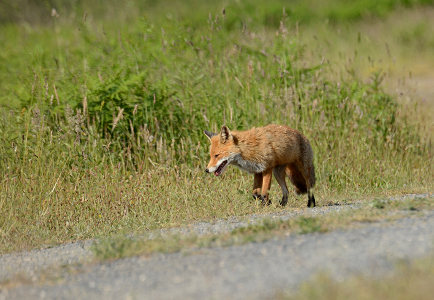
(263, 151)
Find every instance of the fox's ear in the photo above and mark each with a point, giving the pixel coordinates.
(225, 134)
(209, 134)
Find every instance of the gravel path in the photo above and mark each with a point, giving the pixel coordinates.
(255, 270)
(32, 263)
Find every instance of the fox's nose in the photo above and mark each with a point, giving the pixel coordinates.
(206, 170)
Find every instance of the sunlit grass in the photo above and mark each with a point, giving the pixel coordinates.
(101, 121)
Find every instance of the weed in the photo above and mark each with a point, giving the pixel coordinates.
(308, 225)
(112, 248)
(379, 204)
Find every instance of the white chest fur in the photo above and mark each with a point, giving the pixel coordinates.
(246, 165)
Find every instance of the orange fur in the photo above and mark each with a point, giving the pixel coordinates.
(262, 151)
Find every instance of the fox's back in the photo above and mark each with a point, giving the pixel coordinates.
(272, 145)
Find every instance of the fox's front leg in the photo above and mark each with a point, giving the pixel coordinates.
(266, 183)
(257, 185)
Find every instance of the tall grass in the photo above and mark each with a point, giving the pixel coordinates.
(102, 120)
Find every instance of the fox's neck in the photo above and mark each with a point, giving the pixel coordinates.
(248, 165)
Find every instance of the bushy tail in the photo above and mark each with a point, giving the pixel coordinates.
(302, 183)
(308, 163)
(296, 178)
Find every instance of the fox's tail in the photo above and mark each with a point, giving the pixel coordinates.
(302, 173)
(296, 178)
(308, 163)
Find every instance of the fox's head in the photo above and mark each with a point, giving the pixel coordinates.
(223, 150)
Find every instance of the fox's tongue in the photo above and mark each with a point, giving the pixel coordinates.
(220, 168)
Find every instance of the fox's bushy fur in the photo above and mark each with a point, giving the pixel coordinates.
(263, 151)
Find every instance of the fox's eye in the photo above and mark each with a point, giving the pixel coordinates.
(217, 155)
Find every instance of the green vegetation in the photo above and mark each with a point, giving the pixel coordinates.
(103, 107)
(410, 280)
(120, 246)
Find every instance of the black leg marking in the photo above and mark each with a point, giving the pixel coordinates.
(311, 201)
(284, 201)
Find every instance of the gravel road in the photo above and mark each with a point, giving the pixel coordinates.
(32, 262)
(254, 270)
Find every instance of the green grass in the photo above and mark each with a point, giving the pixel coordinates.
(398, 46)
(102, 112)
(409, 280)
(121, 246)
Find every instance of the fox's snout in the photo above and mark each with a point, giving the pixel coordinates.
(222, 151)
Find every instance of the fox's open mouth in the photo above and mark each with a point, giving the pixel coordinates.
(220, 168)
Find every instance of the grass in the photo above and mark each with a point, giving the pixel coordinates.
(102, 111)
(115, 247)
(384, 45)
(409, 280)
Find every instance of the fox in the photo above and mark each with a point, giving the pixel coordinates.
(264, 151)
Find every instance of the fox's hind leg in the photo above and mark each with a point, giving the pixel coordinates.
(257, 186)
(311, 199)
(279, 173)
(309, 186)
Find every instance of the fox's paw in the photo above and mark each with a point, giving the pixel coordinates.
(284, 201)
(311, 201)
(265, 199)
(256, 196)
